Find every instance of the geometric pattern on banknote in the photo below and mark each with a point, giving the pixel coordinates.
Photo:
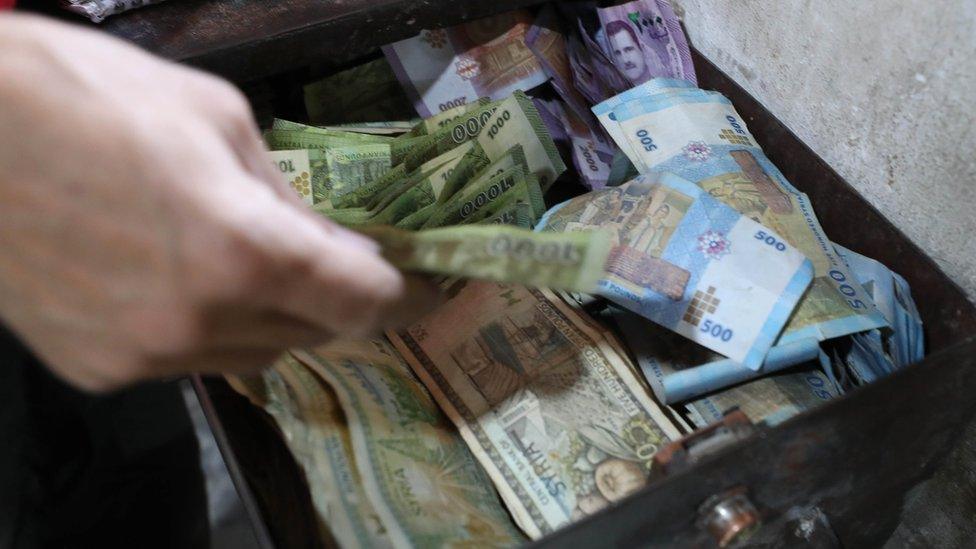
(651, 272)
(702, 304)
(734, 138)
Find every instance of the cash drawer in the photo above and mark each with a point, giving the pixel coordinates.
(835, 474)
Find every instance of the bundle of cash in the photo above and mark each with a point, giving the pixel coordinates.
(513, 410)
(385, 467)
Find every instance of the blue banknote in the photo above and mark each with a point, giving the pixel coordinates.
(678, 370)
(692, 264)
(699, 136)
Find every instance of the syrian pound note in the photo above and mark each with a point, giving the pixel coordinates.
(770, 400)
(296, 171)
(315, 430)
(352, 166)
(552, 412)
(444, 68)
(604, 109)
(699, 136)
(678, 369)
(547, 41)
(365, 93)
(592, 153)
(424, 483)
(570, 261)
(645, 40)
(688, 262)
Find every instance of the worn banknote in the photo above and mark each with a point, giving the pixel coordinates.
(424, 483)
(688, 262)
(495, 129)
(296, 170)
(604, 110)
(678, 369)
(770, 400)
(98, 10)
(570, 261)
(592, 150)
(699, 136)
(644, 40)
(444, 68)
(551, 410)
(317, 434)
(365, 93)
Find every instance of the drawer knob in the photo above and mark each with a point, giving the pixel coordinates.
(729, 516)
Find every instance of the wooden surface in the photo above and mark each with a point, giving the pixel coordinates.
(248, 39)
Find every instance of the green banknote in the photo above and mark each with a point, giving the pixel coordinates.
(495, 128)
(307, 412)
(430, 125)
(481, 196)
(305, 171)
(569, 261)
(354, 137)
(350, 167)
(426, 487)
(366, 93)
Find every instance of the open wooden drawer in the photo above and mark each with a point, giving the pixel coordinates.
(851, 460)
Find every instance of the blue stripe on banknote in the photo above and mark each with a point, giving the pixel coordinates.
(781, 313)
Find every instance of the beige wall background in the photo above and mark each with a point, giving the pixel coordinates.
(883, 90)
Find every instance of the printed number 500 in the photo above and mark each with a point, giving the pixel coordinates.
(715, 329)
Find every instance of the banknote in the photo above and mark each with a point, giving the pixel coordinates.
(429, 125)
(644, 39)
(592, 151)
(770, 400)
(678, 369)
(489, 188)
(546, 38)
(904, 340)
(595, 51)
(443, 68)
(348, 136)
(365, 93)
(699, 136)
(296, 169)
(425, 485)
(494, 130)
(570, 261)
(553, 413)
(315, 429)
(349, 167)
(384, 127)
(604, 110)
(688, 262)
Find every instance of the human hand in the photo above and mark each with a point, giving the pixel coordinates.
(144, 231)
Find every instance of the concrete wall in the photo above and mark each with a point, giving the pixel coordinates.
(883, 90)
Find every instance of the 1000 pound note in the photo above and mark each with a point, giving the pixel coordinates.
(552, 411)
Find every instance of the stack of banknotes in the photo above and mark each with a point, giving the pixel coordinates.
(577, 338)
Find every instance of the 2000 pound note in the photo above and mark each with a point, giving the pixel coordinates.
(552, 411)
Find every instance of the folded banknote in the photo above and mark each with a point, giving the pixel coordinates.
(692, 264)
(699, 136)
(444, 68)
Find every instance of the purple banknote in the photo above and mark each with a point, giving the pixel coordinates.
(644, 40)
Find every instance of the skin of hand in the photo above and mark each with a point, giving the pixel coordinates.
(144, 230)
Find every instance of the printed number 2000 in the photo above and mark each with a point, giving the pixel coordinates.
(715, 329)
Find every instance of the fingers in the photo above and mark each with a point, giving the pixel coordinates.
(325, 275)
